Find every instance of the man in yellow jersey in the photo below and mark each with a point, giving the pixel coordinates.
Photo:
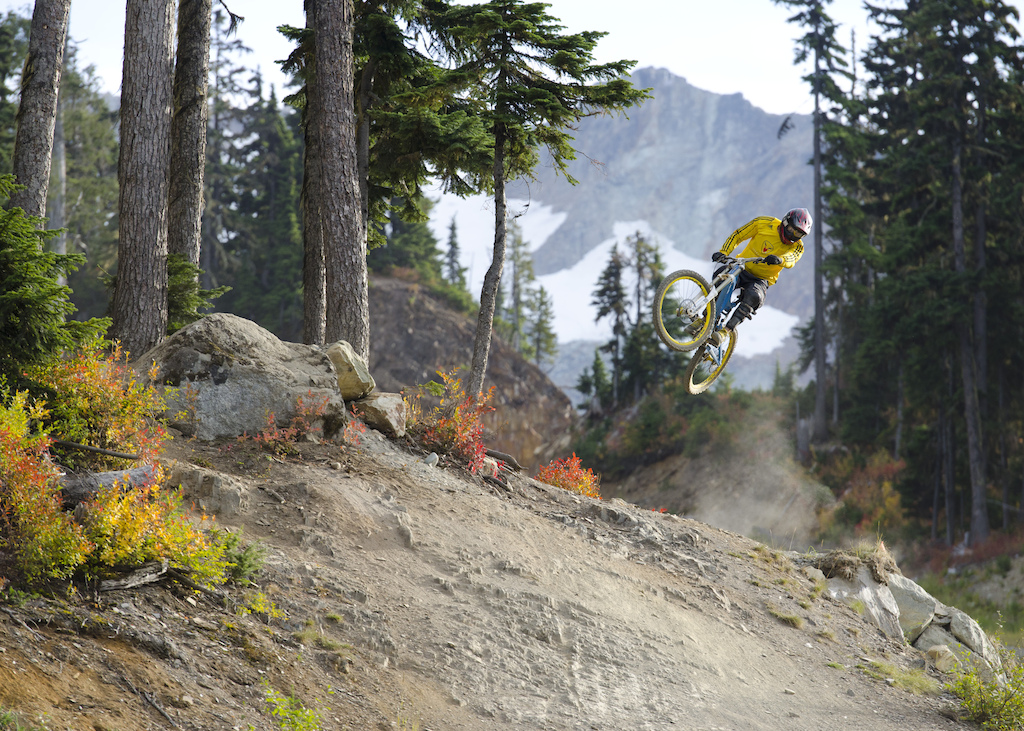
(778, 241)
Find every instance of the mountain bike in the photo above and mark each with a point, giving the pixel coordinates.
(687, 310)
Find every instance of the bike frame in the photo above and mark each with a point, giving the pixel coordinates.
(722, 288)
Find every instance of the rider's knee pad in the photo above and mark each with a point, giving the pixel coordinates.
(743, 312)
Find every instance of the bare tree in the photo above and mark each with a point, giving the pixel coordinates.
(139, 306)
(344, 231)
(188, 129)
(37, 113)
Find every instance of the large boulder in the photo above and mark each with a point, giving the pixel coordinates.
(872, 599)
(917, 606)
(227, 376)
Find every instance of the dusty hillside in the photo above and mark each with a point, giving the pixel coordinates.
(750, 485)
(423, 597)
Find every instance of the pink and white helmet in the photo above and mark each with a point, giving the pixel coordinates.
(796, 224)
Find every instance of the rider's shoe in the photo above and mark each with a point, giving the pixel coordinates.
(717, 338)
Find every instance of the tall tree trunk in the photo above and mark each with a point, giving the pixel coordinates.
(820, 424)
(492, 279)
(139, 306)
(980, 299)
(314, 297)
(972, 411)
(188, 129)
(899, 416)
(344, 231)
(37, 113)
(58, 203)
(948, 452)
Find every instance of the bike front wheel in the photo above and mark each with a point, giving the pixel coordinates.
(679, 325)
(708, 363)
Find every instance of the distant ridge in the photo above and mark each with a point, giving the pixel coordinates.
(692, 163)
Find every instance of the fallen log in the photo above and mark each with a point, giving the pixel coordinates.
(506, 458)
(147, 573)
(78, 488)
(94, 450)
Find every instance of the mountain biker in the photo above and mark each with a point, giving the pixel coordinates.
(778, 241)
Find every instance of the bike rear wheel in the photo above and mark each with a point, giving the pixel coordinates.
(708, 363)
(678, 291)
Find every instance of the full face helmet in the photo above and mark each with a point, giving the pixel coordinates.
(796, 224)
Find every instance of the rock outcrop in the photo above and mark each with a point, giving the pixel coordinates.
(901, 608)
(229, 375)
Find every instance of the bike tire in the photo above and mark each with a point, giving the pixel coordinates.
(706, 365)
(670, 323)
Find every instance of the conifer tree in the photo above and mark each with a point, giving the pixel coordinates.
(531, 83)
(612, 301)
(820, 41)
(14, 32)
(227, 93)
(37, 108)
(455, 273)
(268, 241)
(139, 305)
(90, 213)
(540, 327)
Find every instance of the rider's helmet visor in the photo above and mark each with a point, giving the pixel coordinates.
(793, 233)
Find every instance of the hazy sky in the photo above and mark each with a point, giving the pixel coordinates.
(726, 46)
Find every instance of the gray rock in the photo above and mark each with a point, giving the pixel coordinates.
(226, 376)
(970, 633)
(916, 606)
(936, 635)
(874, 600)
(385, 412)
(941, 657)
(213, 492)
(354, 379)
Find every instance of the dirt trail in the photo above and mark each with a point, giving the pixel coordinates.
(422, 597)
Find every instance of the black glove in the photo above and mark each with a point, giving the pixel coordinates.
(717, 256)
(772, 260)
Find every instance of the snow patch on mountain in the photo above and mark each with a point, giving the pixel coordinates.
(572, 289)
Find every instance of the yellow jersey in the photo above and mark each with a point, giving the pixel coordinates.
(763, 239)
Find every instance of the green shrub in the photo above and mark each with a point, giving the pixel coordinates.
(34, 306)
(244, 559)
(994, 703)
(289, 712)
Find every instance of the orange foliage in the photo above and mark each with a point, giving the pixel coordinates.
(456, 425)
(569, 474)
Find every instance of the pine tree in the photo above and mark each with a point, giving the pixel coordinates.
(821, 41)
(531, 83)
(34, 307)
(14, 32)
(268, 242)
(90, 213)
(37, 108)
(139, 306)
(540, 327)
(455, 273)
(611, 301)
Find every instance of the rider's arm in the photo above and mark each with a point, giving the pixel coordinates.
(744, 232)
(790, 259)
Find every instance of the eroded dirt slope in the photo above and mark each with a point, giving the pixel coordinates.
(424, 597)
